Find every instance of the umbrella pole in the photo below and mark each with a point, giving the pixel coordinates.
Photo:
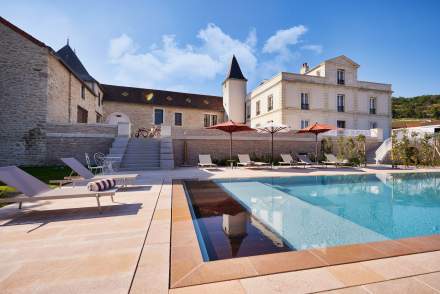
(271, 157)
(316, 149)
(230, 146)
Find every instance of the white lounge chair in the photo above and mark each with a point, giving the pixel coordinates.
(333, 160)
(35, 190)
(87, 175)
(245, 160)
(304, 159)
(205, 161)
(288, 160)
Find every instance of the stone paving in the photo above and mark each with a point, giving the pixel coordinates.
(66, 246)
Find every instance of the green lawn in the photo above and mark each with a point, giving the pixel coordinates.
(44, 173)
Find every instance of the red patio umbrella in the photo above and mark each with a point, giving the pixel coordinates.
(316, 129)
(231, 127)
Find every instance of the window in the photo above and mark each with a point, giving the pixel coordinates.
(81, 115)
(318, 73)
(270, 103)
(178, 119)
(99, 99)
(340, 124)
(257, 108)
(304, 123)
(341, 76)
(98, 117)
(304, 101)
(158, 116)
(248, 111)
(373, 125)
(372, 105)
(83, 92)
(341, 102)
(209, 120)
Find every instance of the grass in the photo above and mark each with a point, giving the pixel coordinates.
(43, 173)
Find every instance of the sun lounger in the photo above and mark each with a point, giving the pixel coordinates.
(304, 159)
(245, 160)
(333, 160)
(205, 161)
(87, 175)
(288, 160)
(35, 190)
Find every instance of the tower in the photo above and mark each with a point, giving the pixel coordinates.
(234, 93)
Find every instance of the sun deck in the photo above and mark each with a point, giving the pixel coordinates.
(145, 243)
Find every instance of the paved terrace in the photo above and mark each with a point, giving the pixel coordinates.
(65, 246)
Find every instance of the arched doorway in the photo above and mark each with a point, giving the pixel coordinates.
(117, 117)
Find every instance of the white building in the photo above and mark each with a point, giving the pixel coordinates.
(328, 93)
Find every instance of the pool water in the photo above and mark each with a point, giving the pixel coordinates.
(322, 211)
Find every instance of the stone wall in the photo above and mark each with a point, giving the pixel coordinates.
(23, 93)
(73, 140)
(142, 116)
(64, 95)
(216, 143)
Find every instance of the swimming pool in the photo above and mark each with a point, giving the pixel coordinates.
(245, 217)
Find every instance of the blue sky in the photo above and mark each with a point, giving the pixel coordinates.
(186, 45)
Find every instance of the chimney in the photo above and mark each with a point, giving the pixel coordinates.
(304, 68)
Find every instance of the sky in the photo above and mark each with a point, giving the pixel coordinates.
(187, 45)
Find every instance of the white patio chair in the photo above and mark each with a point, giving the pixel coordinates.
(287, 160)
(304, 160)
(95, 169)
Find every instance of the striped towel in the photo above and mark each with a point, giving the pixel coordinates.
(101, 185)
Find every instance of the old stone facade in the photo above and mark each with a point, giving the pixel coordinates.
(142, 116)
(36, 88)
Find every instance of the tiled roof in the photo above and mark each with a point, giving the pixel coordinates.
(235, 71)
(161, 97)
(71, 59)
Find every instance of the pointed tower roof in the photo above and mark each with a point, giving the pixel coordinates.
(71, 59)
(235, 71)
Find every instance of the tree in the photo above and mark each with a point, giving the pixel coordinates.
(361, 142)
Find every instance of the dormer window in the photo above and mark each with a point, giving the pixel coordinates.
(341, 77)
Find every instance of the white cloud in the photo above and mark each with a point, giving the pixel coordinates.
(315, 48)
(199, 67)
(169, 65)
(283, 38)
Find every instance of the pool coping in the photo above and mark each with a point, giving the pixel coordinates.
(187, 267)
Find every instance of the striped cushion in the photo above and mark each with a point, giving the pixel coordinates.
(101, 185)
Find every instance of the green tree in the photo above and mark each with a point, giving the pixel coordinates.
(361, 146)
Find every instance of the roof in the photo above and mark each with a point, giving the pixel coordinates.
(50, 50)
(235, 71)
(22, 33)
(71, 59)
(344, 58)
(161, 97)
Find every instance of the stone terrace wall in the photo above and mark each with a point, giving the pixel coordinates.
(23, 99)
(217, 143)
(73, 140)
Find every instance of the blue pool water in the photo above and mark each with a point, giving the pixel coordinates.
(322, 211)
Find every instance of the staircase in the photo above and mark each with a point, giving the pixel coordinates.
(382, 152)
(141, 154)
(118, 150)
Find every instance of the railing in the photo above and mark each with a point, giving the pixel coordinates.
(341, 108)
(304, 106)
(353, 133)
(341, 82)
(383, 150)
(372, 110)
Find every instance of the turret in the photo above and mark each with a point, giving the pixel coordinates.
(234, 93)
